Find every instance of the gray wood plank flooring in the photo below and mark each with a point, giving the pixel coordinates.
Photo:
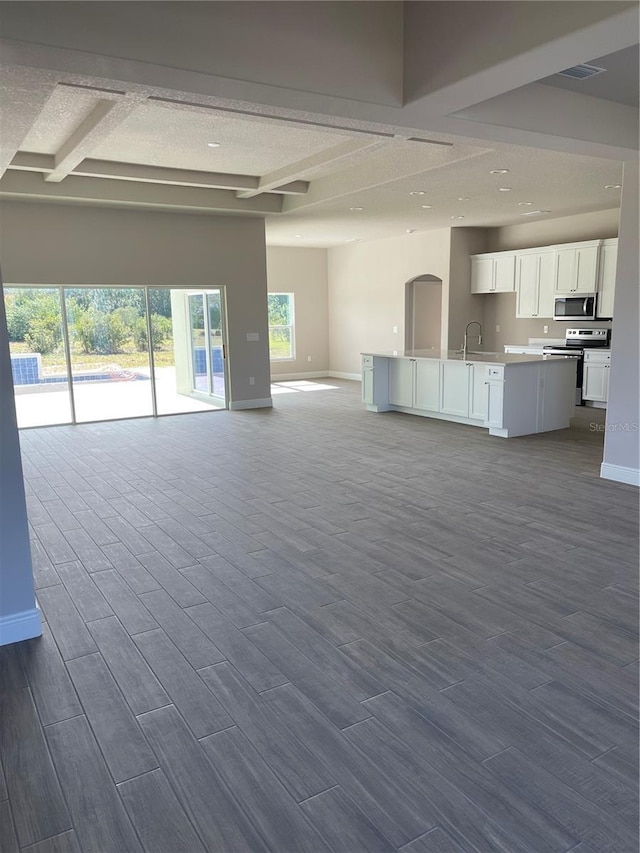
(319, 629)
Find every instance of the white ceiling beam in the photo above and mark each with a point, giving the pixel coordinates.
(163, 175)
(101, 121)
(23, 95)
(25, 161)
(292, 188)
(29, 185)
(342, 153)
(29, 161)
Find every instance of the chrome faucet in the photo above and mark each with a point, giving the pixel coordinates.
(465, 343)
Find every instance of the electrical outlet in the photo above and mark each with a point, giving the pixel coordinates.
(497, 328)
(308, 358)
(546, 330)
(252, 380)
(395, 330)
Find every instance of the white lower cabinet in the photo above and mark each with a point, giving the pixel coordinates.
(514, 399)
(454, 388)
(595, 379)
(462, 389)
(375, 384)
(427, 387)
(401, 381)
(414, 384)
(477, 392)
(495, 397)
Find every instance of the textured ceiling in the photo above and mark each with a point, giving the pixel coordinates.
(65, 110)
(178, 139)
(144, 147)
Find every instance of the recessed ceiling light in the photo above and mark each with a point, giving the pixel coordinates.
(417, 192)
(525, 203)
(535, 212)
(299, 236)
(426, 206)
(410, 230)
(353, 240)
(504, 189)
(463, 198)
(498, 171)
(613, 186)
(213, 145)
(457, 217)
(356, 208)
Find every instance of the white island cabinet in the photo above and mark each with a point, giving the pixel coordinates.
(595, 382)
(509, 395)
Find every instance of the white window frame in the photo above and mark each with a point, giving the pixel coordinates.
(290, 326)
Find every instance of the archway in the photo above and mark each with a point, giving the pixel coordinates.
(423, 313)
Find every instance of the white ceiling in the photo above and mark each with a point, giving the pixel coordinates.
(92, 142)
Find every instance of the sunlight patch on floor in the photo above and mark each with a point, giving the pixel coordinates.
(291, 386)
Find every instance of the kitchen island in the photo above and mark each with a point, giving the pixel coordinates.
(509, 395)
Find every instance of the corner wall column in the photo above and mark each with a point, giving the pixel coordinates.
(19, 613)
(622, 438)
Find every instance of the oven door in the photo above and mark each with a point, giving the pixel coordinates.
(575, 307)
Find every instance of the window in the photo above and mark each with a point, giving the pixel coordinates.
(281, 339)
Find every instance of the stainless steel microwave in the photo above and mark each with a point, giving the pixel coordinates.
(582, 307)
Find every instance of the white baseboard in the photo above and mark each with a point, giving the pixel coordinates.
(263, 403)
(20, 626)
(284, 377)
(339, 375)
(620, 473)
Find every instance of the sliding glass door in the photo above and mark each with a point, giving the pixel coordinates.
(94, 354)
(110, 368)
(207, 344)
(39, 356)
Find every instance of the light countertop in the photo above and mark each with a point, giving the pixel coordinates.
(452, 355)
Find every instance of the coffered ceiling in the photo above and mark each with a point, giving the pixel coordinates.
(318, 180)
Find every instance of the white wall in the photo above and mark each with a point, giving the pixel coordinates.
(50, 244)
(367, 292)
(302, 272)
(622, 439)
(19, 617)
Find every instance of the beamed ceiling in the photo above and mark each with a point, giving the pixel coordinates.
(318, 179)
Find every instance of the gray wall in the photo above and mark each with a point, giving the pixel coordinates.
(463, 305)
(353, 50)
(75, 245)
(18, 617)
(622, 445)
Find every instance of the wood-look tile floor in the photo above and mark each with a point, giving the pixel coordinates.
(320, 629)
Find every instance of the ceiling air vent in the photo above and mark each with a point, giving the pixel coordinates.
(581, 72)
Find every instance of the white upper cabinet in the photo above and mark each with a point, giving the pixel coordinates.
(481, 275)
(539, 275)
(527, 289)
(535, 278)
(577, 268)
(607, 278)
(493, 273)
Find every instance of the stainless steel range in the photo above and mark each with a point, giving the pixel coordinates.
(575, 343)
